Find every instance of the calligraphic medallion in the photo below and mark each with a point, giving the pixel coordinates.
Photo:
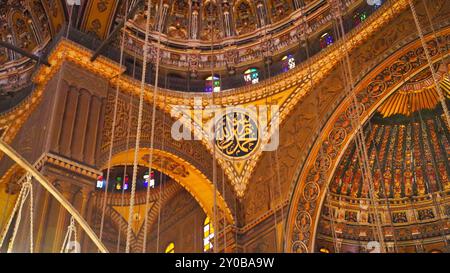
(236, 134)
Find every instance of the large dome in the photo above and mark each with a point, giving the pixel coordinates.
(233, 35)
(29, 25)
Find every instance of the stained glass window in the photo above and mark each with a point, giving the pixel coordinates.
(359, 17)
(100, 182)
(208, 235)
(170, 248)
(288, 62)
(375, 3)
(251, 76)
(326, 40)
(126, 183)
(118, 185)
(149, 180)
(212, 84)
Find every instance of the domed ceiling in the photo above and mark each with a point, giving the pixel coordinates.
(203, 21)
(197, 35)
(28, 25)
(408, 147)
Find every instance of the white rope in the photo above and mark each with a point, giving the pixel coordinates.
(26, 190)
(161, 187)
(304, 39)
(71, 236)
(11, 217)
(430, 63)
(138, 129)
(357, 126)
(152, 133)
(272, 185)
(214, 222)
(113, 129)
(130, 113)
(31, 213)
(444, 60)
(332, 225)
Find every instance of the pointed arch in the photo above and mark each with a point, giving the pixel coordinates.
(184, 173)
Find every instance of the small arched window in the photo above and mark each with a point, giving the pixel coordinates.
(375, 3)
(326, 40)
(359, 17)
(212, 84)
(149, 180)
(100, 182)
(288, 62)
(126, 183)
(251, 76)
(118, 185)
(170, 248)
(208, 235)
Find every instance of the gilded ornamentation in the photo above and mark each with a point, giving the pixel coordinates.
(303, 221)
(169, 165)
(299, 247)
(376, 88)
(337, 136)
(236, 134)
(311, 191)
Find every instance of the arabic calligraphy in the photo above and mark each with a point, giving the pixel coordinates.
(236, 134)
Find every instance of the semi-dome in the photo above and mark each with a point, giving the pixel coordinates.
(408, 148)
(401, 167)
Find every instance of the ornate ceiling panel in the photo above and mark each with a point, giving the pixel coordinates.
(98, 15)
(286, 90)
(419, 93)
(241, 30)
(338, 132)
(29, 25)
(408, 158)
